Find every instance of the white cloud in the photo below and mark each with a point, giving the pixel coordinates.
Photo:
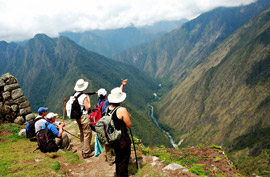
(21, 20)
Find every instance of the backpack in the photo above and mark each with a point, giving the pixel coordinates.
(45, 140)
(30, 128)
(96, 113)
(105, 129)
(73, 107)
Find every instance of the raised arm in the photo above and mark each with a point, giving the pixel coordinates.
(124, 82)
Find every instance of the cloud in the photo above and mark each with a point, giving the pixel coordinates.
(21, 20)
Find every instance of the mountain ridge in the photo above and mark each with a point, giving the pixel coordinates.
(47, 70)
(218, 96)
(176, 53)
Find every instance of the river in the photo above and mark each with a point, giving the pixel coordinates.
(157, 124)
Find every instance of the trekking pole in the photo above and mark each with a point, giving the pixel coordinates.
(134, 148)
(71, 133)
(64, 108)
(66, 131)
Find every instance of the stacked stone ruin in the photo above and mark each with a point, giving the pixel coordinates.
(14, 106)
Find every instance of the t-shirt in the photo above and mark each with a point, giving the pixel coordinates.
(80, 100)
(52, 128)
(39, 123)
(104, 106)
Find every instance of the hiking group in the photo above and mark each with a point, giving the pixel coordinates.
(108, 119)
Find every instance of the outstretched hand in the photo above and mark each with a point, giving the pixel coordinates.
(124, 82)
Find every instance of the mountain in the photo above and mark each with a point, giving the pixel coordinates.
(114, 41)
(225, 99)
(164, 26)
(173, 55)
(92, 42)
(47, 70)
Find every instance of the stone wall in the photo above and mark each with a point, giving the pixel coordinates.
(14, 106)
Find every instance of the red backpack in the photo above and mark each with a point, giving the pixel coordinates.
(96, 114)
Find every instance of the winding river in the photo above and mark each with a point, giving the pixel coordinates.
(157, 124)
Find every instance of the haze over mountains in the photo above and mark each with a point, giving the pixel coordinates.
(114, 41)
(176, 53)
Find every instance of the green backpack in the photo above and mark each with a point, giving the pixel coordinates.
(105, 128)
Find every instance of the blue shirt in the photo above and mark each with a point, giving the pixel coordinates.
(105, 105)
(52, 128)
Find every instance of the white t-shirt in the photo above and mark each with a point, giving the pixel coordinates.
(39, 123)
(80, 100)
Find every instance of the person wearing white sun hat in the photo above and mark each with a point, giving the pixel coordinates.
(104, 103)
(84, 121)
(121, 119)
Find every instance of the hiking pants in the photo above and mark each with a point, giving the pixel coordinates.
(121, 161)
(85, 133)
(122, 153)
(110, 155)
(63, 142)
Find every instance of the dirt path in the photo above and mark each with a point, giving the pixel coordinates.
(94, 166)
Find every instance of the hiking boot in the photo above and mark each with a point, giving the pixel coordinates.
(88, 155)
(72, 150)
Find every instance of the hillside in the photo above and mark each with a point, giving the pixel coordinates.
(152, 161)
(225, 99)
(175, 54)
(47, 70)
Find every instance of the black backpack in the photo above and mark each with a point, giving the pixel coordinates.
(76, 111)
(45, 140)
(30, 128)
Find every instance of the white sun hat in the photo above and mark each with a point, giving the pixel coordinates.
(102, 92)
(116, 95)
(81, 85)
(51, 115)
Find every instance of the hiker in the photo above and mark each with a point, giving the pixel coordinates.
(60, 137)
(121, 119)
(102, 97)
(83, 121)
(42, 112)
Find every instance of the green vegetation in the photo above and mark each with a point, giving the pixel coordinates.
(215, 146)
(63, 62)
(18, 160)
(188, 160)
(198, 170)
(217, 159)
(259, 165)
(149, 171)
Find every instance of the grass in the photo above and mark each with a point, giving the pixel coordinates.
(258, 165)
(198, 170)
(217, 159)
(148, 170)
(22, 161)
(187, 160)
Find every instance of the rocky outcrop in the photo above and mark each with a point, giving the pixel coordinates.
(14, 106)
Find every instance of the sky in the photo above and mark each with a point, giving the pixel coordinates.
(22, 19)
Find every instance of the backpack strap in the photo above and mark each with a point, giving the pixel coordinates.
(102, 103)
(76, 97)
(111, 113)
(35, 120)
